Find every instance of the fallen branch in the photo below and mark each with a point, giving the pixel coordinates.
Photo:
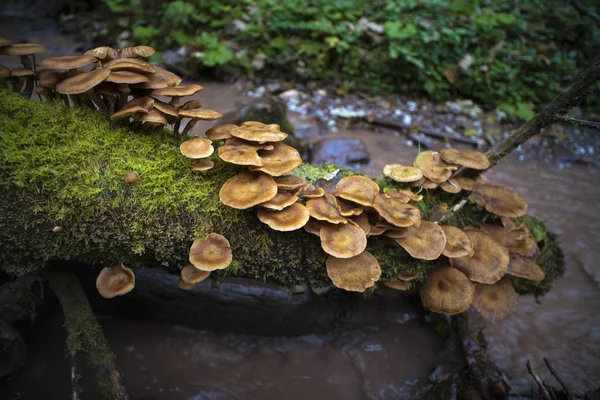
(541, 386)
(85, 335)
(580, 123)
(386, 123)
(557, 377)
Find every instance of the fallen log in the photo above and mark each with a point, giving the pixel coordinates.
(65, 198)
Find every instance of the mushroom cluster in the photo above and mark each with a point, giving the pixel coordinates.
(118, 82)
(206, 255)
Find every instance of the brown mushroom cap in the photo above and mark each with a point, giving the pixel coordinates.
(497, 301)
(354, 274)
(103, 52)
(22, 49)
(240, 152)
(289, 182)
(115, 281)
(191, 105)
(467, 158)
(203, 165)
(4, 42)
(465, 183)
(396, 212)
(137, 51)
(407, 277)
(427, 242)
(349, 208)
(130, 177)
(499, 200)
(212, 253)
(202, 115)
(185, 285)
(396, 285)
(450, 186)
(458, 243)
(362, 221)
(191, 274)
(130, 64)
(126, 77)
(139, 105)
(404, 193)
(358, 189)
(516, 240)
(314, 226)
(184, 90)
(196, 148)
(22, 72)
(161, 77)
(447, 290)
(49, 78)
(325, 208)
(220, 132)
(310, 192)
(524, 268)
(489, 261)
(289, 219)
(153, 117)
(258, 132)
(402, 173)
(343, 240)
(165, 108)
(83, 82)
(426, 161)
(247, 189)
(280, 201)
(279, 161)
(68, 62)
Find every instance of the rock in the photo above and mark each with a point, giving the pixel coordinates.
(13, 351)
(268, 110)
(348, 153)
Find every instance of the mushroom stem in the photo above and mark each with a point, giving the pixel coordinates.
(28, 88)
(65, 99)
(189, 126)
(95, 98)
(34, 70)
(124, 89)
(75, 101)
(177, 126)
(110, 101)
(26, 62)
(175, 101)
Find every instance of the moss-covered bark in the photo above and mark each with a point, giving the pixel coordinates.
(64, 167)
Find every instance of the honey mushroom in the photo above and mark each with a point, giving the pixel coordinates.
(497, 301)
(447, 290)
(211, 253)
(115, 281)
(355, 274)
(489, 261)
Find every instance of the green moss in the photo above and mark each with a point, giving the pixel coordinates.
(312, 173)
(551, 259)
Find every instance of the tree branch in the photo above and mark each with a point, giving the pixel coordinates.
(584, 11)
(580, 123)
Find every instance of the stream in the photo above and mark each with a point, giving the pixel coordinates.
(165, 361)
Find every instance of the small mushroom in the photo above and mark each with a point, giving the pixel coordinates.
(289, 182)
(181, 284)
(130, 177)
(212, 253)
(465, 157)
(396, 285)
(489, 261)
(450, 186)
(81, 83)
(465, 183)
(396, 212)
(497, 301)
(281, 160)
(176, 92)
(358, 189)
(115, 281)
(326, 208)
(203, 165)
(288, 219)
(258, 132)
(220, 132)
(426, 161)
(525, 268)
(240, 152)
(247, 189)
(314, 226)
(280, 201)
(135, 106)
(355, 274)
(499, 200)
(343, 240)
(130, 64)
(197, 148)
(458, 243)
(426, 242)
(191, 274)
(447, 290)
(402, 173)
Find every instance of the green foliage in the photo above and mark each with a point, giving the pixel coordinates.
(520, 53)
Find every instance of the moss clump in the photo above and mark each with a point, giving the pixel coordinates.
(551, 259)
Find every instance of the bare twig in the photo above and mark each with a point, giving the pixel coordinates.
(429, 132)
(538, 380)
(580, 123)
(584, 11)
(557, 377)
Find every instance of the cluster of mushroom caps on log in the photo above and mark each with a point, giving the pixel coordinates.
(117, 82)
(474, 264)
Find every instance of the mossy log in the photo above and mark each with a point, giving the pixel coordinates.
(62, 167)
